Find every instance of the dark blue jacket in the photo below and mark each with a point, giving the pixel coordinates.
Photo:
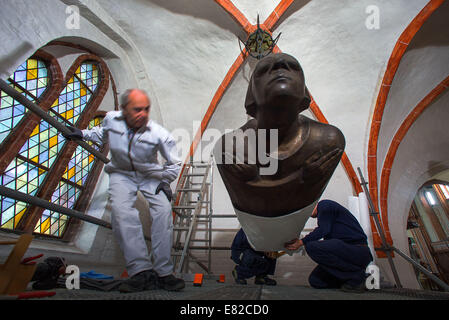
(336, 222)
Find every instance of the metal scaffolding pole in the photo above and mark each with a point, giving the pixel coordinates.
(4, 86)
(20, 196)
(429, 274)
(388, 249)
(385, 246)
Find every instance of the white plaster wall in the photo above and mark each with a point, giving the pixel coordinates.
(187, 49)
(45, 21)
(263, 8)
(424, 65)
(424, 150)
(422, 154)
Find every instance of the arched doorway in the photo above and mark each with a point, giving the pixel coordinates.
(428, 231)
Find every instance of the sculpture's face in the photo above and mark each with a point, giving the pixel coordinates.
(278, 82)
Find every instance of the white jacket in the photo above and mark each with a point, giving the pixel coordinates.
(139, 152)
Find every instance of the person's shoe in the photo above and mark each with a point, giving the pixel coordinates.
(265, 280)
(171, 283)
(145, 280)
(237, 279)
(360, 288)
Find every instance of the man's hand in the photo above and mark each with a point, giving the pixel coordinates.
(293, 245)
(76, 133)
(165, 187)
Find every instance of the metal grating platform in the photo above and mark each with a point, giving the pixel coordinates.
(212, 290)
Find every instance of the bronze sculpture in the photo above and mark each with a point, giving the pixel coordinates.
(307, 152)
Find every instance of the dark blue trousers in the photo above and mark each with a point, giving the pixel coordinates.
(338, 263)
(255, 264)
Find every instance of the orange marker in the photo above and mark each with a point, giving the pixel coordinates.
(198, 280)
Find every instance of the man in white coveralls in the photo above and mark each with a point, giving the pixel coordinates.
(134, 142)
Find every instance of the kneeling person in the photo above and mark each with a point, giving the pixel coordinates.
(251, 263)
(342, 255)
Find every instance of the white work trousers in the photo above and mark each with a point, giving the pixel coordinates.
(127, 226)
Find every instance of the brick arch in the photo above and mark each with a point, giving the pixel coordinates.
(392, 67)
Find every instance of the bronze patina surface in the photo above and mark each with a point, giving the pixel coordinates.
(307, 151)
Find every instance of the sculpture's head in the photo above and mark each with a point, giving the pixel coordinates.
(277, 88)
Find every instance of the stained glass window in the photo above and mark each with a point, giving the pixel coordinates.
(24, 177)
(69, 189)
(53, 223)
(40, 151)
(76, 94)
(31, 78)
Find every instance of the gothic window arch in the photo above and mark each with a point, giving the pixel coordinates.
(40, 161)
(32, 78)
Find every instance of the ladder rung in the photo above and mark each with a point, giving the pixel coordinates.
(182, 216)
(180, 228)
(190, 189)
(194, 174)
(203, 248)
(184, 207)
(199, 240)
(217, 216)
(218, 230)
(199, 165)
(209, 248)
(197, 201)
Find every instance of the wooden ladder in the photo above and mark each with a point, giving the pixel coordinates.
(15, 274)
